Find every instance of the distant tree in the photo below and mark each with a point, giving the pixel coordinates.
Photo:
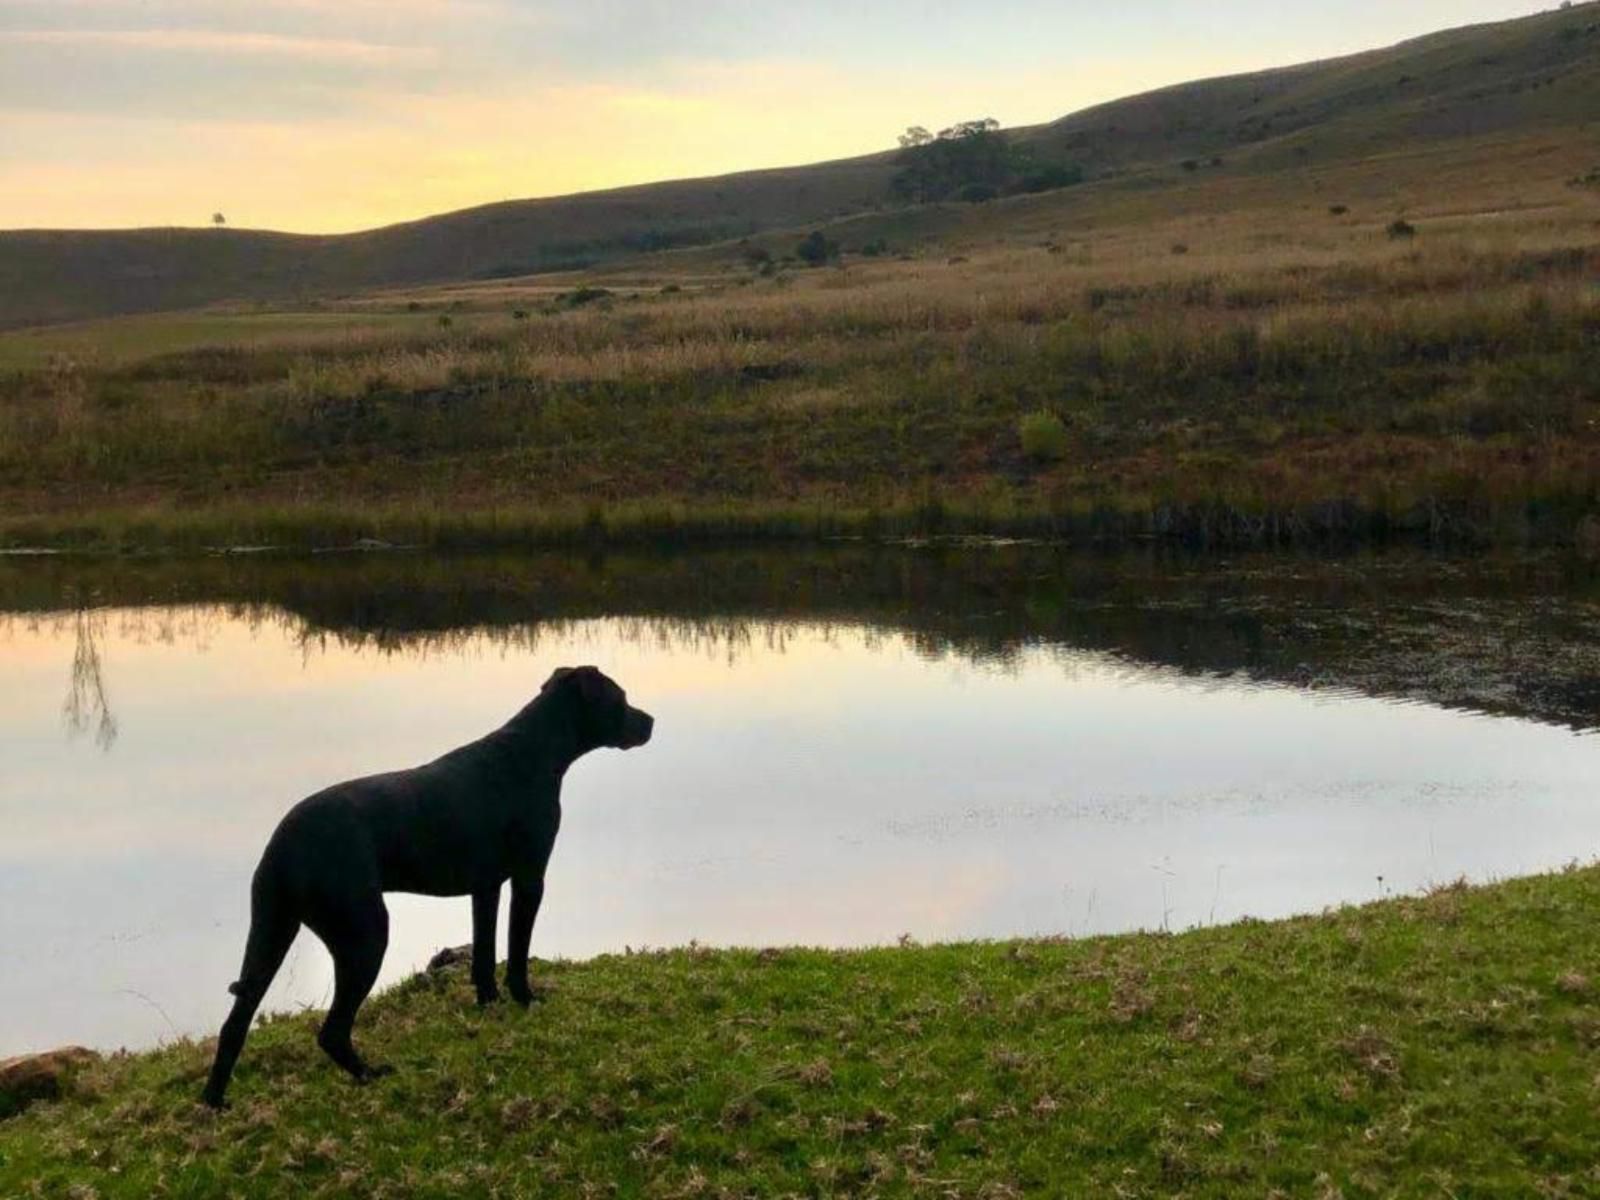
(971, 160)
(218, 220)
(969, 152)
(815, 249)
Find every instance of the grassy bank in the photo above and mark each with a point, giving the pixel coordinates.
(1442, 1045)
(1225, 362)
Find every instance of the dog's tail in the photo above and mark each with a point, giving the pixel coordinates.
(273, 925)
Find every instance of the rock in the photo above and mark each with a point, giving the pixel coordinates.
(449, 957)
(32, 1077)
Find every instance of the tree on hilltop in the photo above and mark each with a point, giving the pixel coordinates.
(970, 160)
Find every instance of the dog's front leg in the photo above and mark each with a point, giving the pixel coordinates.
(525, 900)
(485, 912)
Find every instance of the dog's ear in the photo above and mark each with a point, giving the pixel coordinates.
(588, 681)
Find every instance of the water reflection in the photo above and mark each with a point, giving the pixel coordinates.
(86, 703)
(838, 781)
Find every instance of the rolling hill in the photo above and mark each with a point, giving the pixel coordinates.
(1536, 74)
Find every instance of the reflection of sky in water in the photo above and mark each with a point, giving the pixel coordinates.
(807, 784)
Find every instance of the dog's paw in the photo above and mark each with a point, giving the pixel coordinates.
(486, 998)
(373, 1071)
(527, 997)
(215, 1103)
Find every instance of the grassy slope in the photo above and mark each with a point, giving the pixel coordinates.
(1294, 373)
(1435, 1046)
(1537, 73)
(67, 275)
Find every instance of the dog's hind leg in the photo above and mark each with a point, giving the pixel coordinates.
(357, 940)
(272, 930)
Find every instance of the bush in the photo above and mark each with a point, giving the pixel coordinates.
(977, 193)
(1401, 229)
(1338, 210)
(815, 249)
(1049, 179)
(1044, 436)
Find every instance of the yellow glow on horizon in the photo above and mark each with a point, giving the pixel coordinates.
(410, 156)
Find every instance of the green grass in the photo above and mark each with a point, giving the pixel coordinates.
(1437, 1046)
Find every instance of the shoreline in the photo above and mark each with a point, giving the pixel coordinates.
(1567, 523)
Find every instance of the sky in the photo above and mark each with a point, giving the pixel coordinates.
(334, 115)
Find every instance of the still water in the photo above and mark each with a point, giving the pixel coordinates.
(819, 781)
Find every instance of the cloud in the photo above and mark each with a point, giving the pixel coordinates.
(204, 41)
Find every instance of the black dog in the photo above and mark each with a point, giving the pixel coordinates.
(461, 825)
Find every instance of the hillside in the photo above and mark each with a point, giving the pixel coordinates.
(48, 276)
(1536, 74)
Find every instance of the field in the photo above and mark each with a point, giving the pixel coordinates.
(1252, 357)
(1442, 1045)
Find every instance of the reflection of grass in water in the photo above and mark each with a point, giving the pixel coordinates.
(1411, 626)
(87, 702)
(1437, 1044)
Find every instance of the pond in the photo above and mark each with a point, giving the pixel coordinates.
(851, 747)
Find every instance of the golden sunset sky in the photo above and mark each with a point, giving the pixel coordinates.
(333, 115)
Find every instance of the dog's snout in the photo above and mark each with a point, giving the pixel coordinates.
(637, 728)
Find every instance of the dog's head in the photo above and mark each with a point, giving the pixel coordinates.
(600, 708)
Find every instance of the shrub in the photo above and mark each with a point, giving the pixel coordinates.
(1049, 179)
(1180, 248)
(1401, 229)
(815, 249)
(519, 314)
(1338, 210)
(445, 321)
(1044, 436)
(977, 193)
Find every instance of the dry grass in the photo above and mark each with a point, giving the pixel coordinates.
(1292, 363)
